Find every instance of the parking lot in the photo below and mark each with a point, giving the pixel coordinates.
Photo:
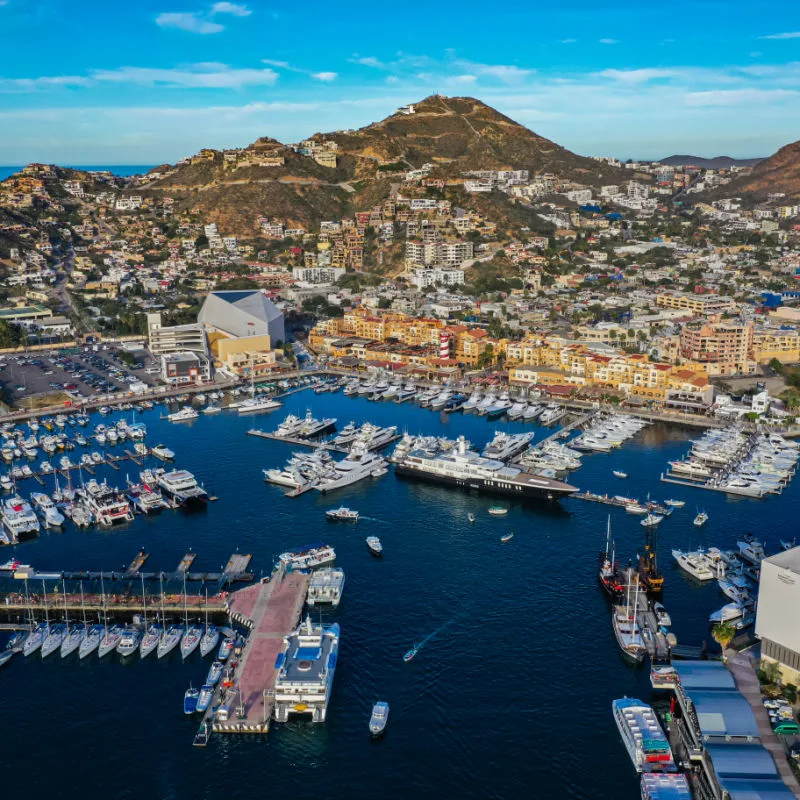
(79, 374)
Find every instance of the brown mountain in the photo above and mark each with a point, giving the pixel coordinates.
(778, 173)
(455, 134)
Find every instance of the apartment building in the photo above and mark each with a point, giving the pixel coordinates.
(719, 348)
(697, 304)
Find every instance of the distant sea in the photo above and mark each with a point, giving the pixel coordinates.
(123, 170)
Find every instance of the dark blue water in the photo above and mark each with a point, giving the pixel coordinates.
(510, 698)
(123, 170)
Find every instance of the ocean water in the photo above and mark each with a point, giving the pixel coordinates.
(123, 170)
(509, 698)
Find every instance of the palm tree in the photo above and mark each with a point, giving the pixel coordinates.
(723, 634)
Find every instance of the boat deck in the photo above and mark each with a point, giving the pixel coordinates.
(271, 610)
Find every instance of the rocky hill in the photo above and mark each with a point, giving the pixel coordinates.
(718, 162)
(778, 173)
(455, 134)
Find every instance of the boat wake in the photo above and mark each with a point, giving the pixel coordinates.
(419, 645)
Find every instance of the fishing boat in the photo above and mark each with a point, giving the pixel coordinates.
(342, 514)
(374, 545)
(507, 538)
(205, 697)
(190, 699)
(675, 503)
(214, 673)
(225, 649)
(412, 652)
(619, 473)
(701, 519)
(498, 511)
(379, 718)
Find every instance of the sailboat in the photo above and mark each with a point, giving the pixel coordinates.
(111, 636)
(38, 632)
(74, 636)
(152, 634)
(626, 626)
(55, 633)
(607, 573)
(194, 633)
(210, 636)
(170, 637)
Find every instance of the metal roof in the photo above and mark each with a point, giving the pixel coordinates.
(723, 713)
(704, 675)
(742, 761)
(739, 789)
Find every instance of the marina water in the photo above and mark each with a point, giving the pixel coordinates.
(510, 696)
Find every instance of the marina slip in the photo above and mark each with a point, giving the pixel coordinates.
(228, 581)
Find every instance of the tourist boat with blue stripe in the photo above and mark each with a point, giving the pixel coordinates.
(643, 736)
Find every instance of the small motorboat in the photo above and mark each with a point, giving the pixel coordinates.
(619, 473)
(411, 653)
(662, 617)
(205, 697)
(190, 700)
(498, 511)
(470, 517)
(214, 673)
(342, 514)
(701, 519)
(374, 545)
(651, 520)
(507, 538)
(379, 718)
(675, 503)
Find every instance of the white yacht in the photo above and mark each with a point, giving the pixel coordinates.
(107, 506)
(181, 487)
(642, 735)
(185, 414)
(311, 427)
(346, 435)
(379, 718)
(19, 519)
(473, 401)
(505, 446)
(129, 642)
(697, 564)
(360, 463)
(290, 426)
(311, 557)
(373, 437)
(263, 403)
(163, 452)
(50, 515)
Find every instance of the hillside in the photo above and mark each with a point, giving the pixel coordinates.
(718, 162)
(778, 173)
(455, 134)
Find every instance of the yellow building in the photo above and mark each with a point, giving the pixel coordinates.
(777, 343)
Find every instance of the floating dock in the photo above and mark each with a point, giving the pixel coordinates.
(271, 611)
(297, 440)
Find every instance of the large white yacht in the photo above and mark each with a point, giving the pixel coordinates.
(464, 468)
(50, 515)
(306, 667)
(642, 735)
(19, 518)
(106, 505)
(359, 464)
(184, 415)
(263, 403)
(181, 487)
(699, 565)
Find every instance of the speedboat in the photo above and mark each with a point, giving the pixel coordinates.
(209, 640)
(170, 639)
(651, 520)
(498, 511)
(507, 538)
(471, 517)
(205, 698)
(191, 640)
(619, 473)
(225, 649)
(342, 514)
(91, 641)
(411, 653)
(190, 700)
(374, 545)
(150, 640)
(701, 519)
(379, 718)
(214, 673)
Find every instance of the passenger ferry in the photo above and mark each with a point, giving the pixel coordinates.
(106, 504)
(310, 557)
(306, 666)
(665, 786)
(642, 736)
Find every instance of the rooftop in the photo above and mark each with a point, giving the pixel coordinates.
(788, 559)
(724, 713)
(695, 675)
(743, 761)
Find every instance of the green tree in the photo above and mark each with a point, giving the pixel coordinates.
(723, 634)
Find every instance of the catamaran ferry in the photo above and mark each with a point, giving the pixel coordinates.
(182, 488)
(642, 736)
(467, 469)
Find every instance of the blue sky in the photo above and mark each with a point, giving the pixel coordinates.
(151, 81)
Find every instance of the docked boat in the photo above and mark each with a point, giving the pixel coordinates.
(107, 506)
(210, 638)
(730, 612)
(204, 699)
(214, 673)
(110, 640)
(642, 735)
(130, 642)
(458, 466)
(379, 718)
(505, 446)
(225, 649)
(181, 487)
(190, 699)
(662, 617)
(184, 415)
(150, 640)
(191, 640)
(54, 639)
(675, 503)
(665, 786)
(374, 545)
(49, 514)
(342, 514)
(35, 639)
(310, 557)
(255, 404)
(359, 464)
(697, 564)
(163, 452)
(91, 641)
(19, 519)
(170, 639)
(612, 583)
(73, 638)
(311, 427)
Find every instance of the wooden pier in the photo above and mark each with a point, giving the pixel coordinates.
(296, 440)
(271, 611)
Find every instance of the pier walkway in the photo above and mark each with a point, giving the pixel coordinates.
(271, 610)
(296, 440)
(560, 433)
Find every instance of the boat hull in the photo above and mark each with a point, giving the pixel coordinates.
(549, 490)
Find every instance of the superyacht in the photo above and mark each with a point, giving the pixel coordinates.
(505, 446)
(181, 487)
(254, 404)
(359, 464)
(466, 469)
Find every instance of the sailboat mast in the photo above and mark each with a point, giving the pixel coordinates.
(144, 602)
(608, 535)
(46, 615)
(185, 607)
(66, 612)
(83, 609)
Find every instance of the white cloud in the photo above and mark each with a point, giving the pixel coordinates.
(634, 76)
(462, 79)
(230, 8)
(790, 35)
(44, 82)
(325, 77)
(569, 41)
(279, 64)
(608, 41)
(368, 61)
(194, 76)
(736, 97)
(188, 21)
(507, 73)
